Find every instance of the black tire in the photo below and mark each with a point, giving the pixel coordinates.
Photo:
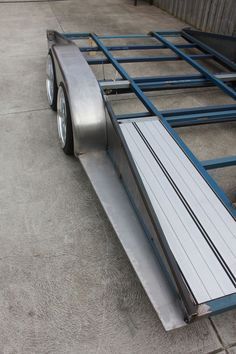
(68, 146)
(53, 103)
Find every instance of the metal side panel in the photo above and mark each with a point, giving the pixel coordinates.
(120, 212)
(84, 94)
(198, 228)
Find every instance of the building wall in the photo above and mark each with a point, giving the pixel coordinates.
(217, 16)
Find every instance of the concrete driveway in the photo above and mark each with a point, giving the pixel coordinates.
(66, 285)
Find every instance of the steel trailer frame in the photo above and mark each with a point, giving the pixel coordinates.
(169, 119)
(183, 117)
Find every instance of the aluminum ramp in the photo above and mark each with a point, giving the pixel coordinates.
(199, 230)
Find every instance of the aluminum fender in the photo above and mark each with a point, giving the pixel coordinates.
(84, 95)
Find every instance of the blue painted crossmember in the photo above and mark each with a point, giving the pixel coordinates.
(219, 163)
(134, 47)
(97, 61)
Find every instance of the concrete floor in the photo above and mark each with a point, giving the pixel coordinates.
(66, 284)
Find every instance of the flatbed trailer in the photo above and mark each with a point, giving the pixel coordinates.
(175, 223)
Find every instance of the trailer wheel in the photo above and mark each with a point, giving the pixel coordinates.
(51, 84)
(64, 124)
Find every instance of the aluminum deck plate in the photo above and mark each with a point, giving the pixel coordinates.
(198, 228)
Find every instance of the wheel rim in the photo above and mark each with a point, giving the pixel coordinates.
(50, 80)
(61, 116)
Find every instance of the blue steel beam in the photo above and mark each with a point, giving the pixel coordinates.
(203, 121)
(132, 115)
(170, 33)
(222, 304)
(175, 113)
(134, 47)
(216, 108)
(231, 92)
(185, 78)
(219, 163)
(152, 86)
(127, 36)
(76, 35)
(145, 59)
(209, 115)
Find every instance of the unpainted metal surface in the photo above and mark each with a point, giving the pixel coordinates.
(199, 251)
(85, 100)
(119, 210)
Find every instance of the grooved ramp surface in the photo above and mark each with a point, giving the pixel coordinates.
(199, 229)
